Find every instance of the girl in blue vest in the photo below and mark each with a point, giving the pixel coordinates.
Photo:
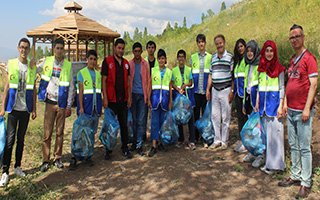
(239, 74)
(161, 98)
(252, 59)
(89, 100)
(271, 94)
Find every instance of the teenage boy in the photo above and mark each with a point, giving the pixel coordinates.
(200, 63)
(140, 90)
(182, 84)
(19, 100)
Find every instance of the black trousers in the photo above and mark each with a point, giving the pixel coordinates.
(20, 120)
(242, 118)
(121, 110)
(247, 104)
(201, 102)
(191, 131)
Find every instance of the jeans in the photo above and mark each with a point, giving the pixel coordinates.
(140, 115)
(201, 102)
(157, 119)
(17, 124)
(299, 137)
(121, 111)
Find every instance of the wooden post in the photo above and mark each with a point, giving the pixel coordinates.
(69, 50)
(87, 46)
(109, 49)
(34, 47)
(77, 49)
(96, 44)
(104, 48)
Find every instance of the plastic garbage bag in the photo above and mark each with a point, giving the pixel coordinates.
(205, 126)
(3, 133)
(109, 131)
(252, 135)
(130, 126)
(82, 145)
(182, 109)
(169, 132)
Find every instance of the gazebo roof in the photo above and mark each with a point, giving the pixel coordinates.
(73, 22)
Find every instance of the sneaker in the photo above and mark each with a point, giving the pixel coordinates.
(73, 163)
(133, 148)
(126, 153)
(258, 161)
(58, 163)
(267, 171)
(240, 148)
(44, 167)
(214, 146)
(161, 147)
(4, 180)
(192, 146)
(224, 146)
(152, 151)
(248, 158)
(140, 151)
(18, 171)
(179, 145)
(205, 145)
(289, 182)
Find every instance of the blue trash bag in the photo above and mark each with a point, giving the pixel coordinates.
(205, 126)
(109, 131)
(3, 134)
(182, 109)
(253, 136)
(130, 126)
(169, 132)
(82, 144)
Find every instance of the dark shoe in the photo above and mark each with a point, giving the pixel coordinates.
(288, 182)
(152, 152)
(133, 148)
(161, 147)
(44, 167)
(107, 156)
(126, 153)
(140, 151)
(89, 162)
(73, 163)
(303, 192)
(58, 164)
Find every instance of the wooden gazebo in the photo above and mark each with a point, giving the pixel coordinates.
(76, 30)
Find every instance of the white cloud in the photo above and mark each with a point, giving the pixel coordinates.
(125, 15)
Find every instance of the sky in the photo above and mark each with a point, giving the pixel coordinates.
(17, 17)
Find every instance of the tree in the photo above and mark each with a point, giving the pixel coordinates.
(223, 6)
(168, 27)
(39, 53)
(184, 22)
(145, 33)
(203, 17)
(176, 26)
(137, 35)
(210, 13)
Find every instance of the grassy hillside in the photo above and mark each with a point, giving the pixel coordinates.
(251, 19)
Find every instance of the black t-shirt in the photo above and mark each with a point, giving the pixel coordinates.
(151, 64)
(119, 86)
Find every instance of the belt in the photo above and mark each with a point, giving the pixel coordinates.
(51, 102)
(220, 89)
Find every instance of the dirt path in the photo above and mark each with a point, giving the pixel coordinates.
(175, 174)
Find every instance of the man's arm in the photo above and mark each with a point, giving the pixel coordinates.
(209, 85)
(310, 99)
(34, 111)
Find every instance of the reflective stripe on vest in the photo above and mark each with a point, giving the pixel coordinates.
(64, 81)
(160, 88)
(13, 74)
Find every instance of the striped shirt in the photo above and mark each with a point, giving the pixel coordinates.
(222, 70)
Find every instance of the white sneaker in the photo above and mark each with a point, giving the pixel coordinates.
(4, 180)
(267, 171)
(18, 171)
(215, 145)
(248, 158)
(240, 149)
(224, 146)
(258, 161)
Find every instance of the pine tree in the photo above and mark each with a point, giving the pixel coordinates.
(184, 22)
(223, 6)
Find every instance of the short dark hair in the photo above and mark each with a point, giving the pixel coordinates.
(119, 41)
(201, 37)
(58, 41)
(92, 52)
(219, 36)
(181, 51)
(24, 40)
(150, 43)
(136, 45)
(161, 53)
(295, 26)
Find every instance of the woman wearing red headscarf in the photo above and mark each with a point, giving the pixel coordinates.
(271, 94)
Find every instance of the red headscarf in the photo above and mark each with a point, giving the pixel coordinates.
(273, 68)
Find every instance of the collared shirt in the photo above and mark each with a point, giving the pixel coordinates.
(222, 70)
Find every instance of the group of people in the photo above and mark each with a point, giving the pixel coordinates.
(254, 79)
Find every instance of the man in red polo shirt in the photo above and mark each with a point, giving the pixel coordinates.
(115, 87)
(299, 107)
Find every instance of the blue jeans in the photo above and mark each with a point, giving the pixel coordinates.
(299, 137)
(139, 115)
(157, 119)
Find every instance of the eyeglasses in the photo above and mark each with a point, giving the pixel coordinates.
(295, 37)
(23, 47)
